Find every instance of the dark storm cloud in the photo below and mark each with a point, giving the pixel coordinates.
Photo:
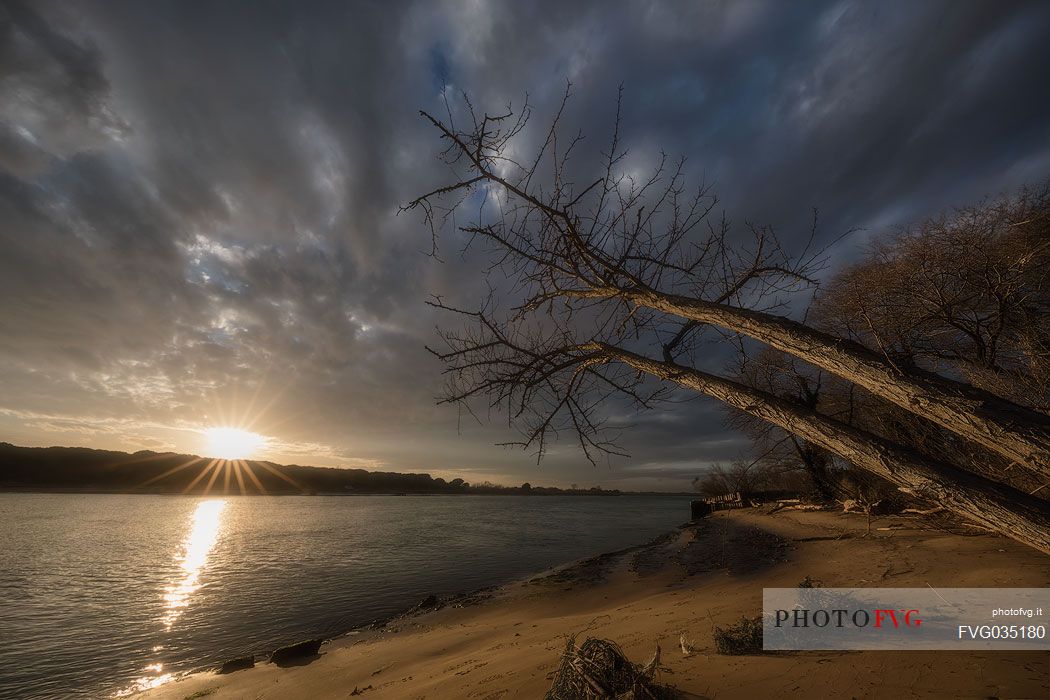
(197, 201)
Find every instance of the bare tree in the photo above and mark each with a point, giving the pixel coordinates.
(627, 263)
(740, 476)
(966, 293)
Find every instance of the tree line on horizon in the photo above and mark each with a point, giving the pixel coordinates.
(923, 368)
(83, 469)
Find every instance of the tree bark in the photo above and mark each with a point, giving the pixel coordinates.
(1002, 508)
(1018, 433)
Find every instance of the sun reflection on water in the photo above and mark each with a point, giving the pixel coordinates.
(192, 556)
(195, 549)
(146, 682)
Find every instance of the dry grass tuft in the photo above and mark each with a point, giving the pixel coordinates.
(745, 637)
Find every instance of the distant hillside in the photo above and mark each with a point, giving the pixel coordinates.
(87, 470)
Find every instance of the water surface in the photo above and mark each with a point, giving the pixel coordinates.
(103, 594)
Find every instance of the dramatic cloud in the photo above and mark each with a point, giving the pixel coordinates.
(198, 201)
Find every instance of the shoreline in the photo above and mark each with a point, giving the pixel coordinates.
(505, 642)
(566, 571)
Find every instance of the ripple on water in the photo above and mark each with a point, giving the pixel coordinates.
(130, 591)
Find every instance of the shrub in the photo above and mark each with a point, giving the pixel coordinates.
(745, 637)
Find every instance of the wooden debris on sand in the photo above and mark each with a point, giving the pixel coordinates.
(598, 669)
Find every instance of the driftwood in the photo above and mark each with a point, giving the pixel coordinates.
(598, 670)
(794, 504)
(686, 645)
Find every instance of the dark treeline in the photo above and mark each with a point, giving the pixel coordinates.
(83, 469)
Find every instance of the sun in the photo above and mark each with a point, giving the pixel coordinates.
(232, 443)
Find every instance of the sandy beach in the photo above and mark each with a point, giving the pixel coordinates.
(507, 643)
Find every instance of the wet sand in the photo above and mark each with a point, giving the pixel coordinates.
(507, 643)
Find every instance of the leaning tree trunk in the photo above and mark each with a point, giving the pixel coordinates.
(1018, 433)
(1002, 508)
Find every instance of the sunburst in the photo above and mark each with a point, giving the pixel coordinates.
(233, 443)
(238, 433)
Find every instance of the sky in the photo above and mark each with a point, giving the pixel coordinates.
(198, 201)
